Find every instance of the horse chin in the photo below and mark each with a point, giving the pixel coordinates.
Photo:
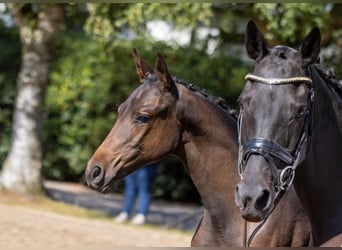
(109, 186)
(106, 189)
(254, 215)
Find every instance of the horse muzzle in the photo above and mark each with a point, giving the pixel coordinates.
(254, 203)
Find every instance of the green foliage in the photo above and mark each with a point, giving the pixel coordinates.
(290, 22)
(79, 94)
(9, 67)
(105, 20)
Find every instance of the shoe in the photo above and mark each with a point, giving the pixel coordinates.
(139, 219)
(121, 218)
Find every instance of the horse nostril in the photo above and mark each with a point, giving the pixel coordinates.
(96, 175)
(262, 200)
(96, 172)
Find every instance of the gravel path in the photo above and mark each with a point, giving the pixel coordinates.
(26, 227)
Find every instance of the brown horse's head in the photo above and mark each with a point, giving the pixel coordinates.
(138, 135)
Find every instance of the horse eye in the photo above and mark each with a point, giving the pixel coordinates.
(142, 118)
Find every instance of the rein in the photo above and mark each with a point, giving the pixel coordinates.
(270, 150)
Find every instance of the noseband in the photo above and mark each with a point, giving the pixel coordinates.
(271, 150)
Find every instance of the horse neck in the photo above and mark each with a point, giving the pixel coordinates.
(209, 149)
(318, 179)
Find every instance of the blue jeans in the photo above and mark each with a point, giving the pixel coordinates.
(139, 185)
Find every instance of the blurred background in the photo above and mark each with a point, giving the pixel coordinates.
(68, 66)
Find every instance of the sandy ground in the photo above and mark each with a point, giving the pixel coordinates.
(27, 227)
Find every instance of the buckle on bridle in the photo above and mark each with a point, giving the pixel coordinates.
(286, 178)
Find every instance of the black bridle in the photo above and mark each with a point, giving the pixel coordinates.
(271, 150)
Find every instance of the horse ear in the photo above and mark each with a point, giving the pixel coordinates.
(162, 72)
(254, 42)
(141, 66)
(310, 47)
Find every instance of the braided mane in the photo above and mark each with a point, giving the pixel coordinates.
(329, 77)
(203, 92)
(218, 100)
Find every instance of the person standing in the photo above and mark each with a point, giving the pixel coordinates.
(138, 185)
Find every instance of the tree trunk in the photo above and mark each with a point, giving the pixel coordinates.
(39, 29)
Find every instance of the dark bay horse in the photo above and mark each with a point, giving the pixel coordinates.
(163, 116)
(290, 130)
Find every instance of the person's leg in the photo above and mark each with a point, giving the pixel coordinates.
(130, 192)
(145, 181)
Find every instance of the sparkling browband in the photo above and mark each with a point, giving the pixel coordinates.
(278, 80)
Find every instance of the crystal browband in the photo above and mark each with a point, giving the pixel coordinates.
(278, 80)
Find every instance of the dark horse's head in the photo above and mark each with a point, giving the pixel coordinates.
(138, 135)
(274, 123)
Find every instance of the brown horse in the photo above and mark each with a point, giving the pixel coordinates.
(290, 122)
(163, 116)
